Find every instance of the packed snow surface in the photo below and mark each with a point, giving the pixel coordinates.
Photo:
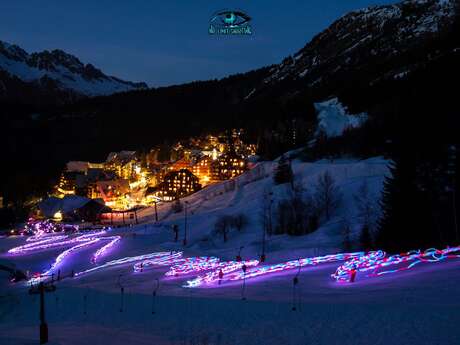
(419, 306)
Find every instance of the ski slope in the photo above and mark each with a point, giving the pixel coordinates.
(419, 306)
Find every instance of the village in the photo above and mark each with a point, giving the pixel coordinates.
(113, 191)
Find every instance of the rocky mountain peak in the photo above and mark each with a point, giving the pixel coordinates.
(366, 36)
(58, 69)
(12, 51)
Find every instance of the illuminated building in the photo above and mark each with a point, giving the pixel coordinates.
(57, 216)
(85, 184)
(82, 167)
(203, 170)
(123, 163)
(183, 163)
(67, 183)
(230, 165)
(72, 208)
(211, 141)
(127, 179)
(177, 184)
(113, 193)
(251, 149)
(152, 157)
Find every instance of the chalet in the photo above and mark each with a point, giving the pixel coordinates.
(111, 191)
(203, 170)
(230, 165)
(183, 163)
(73, 208)
(123, 163)
(67, 183)
(177, 184)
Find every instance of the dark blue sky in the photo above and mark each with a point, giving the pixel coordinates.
(166, 42)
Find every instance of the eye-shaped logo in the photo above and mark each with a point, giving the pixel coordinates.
(230, 19)
(230, 22)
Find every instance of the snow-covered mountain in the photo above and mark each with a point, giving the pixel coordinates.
(379, 41)
(58, 70)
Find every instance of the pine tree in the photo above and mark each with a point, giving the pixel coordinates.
(365, 205)
(406, 221)
(390, 236)
(346, 242)
(365, 238)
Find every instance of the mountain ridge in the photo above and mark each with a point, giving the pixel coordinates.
(376, 35)
(60, 71)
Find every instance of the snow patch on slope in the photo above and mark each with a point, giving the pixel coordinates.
(334, 119)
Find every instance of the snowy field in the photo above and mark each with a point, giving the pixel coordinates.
(419, 306)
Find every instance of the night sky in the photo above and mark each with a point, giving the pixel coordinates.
(167, 42)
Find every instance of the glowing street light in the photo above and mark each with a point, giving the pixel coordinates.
(57, 216)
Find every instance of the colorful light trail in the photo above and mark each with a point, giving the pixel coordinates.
(218, 274)
(127, 260)
(372, 264)
(289, 265)
(376, 262)
(53, 241)
(63, 240)
(103, 250)
(192, 265)
(165, 260)
(252, 272)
